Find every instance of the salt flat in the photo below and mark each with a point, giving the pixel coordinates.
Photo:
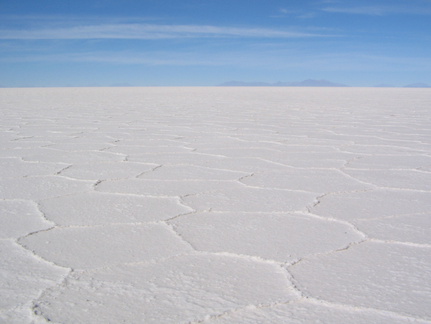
(215, 205)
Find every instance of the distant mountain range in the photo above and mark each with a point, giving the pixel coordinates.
(311, 83)
(417, 85)
(305, 83)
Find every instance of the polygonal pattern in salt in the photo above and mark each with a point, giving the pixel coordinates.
(373, 204)
(404, 228)
(35, 188)
(96, 208)
(177, 290)
(16, 168)
(248, 199)
(364, 278)
(187, 172)
(322, 181)
(215, 205)
(24, 277)
(107, 170)
(95, 247)
(396, 179)
(267, 236)
(18, 218)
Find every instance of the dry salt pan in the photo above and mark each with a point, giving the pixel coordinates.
(215, 205)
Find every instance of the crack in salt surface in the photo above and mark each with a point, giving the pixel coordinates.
(181, 203)
(173, 231)
(64, 169)
(35, 308)
(33, 302)
(418, 245)
(271, 188)
(148, 171)
(245, 177)
(335, 220)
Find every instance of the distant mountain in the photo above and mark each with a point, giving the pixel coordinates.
(244, 84)
(384, 85)
(305, 83)
(316, 83)
(417, 85)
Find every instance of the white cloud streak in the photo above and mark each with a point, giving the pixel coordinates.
(373, 11)
(378, 10)
(149, 31)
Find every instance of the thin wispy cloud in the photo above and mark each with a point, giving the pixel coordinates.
(286, 11)
(40, 22)
(123, 58)
(378, 10)
(283, 13)
(375, 11)
(149, 31)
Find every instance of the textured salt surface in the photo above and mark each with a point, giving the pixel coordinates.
(215, 205)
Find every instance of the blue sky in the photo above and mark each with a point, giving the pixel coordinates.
(207, 42)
